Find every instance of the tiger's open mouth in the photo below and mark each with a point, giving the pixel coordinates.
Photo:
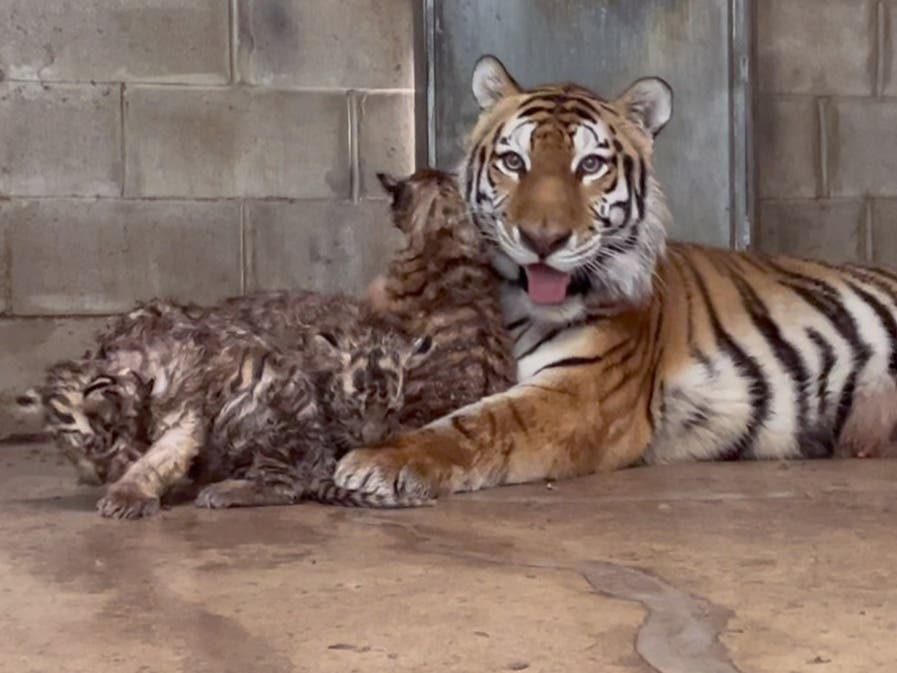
(547, 286)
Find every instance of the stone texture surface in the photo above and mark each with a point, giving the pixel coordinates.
(787, 138)
(220, 142)
(82, 256)
(125, 40)
(4, 268)
(863, 148)
(323, 245)
(386, 138)
(884, 233)
(60, 140)
(789, 565)
(825, 230)
(316, 43)
(29, 345)
(808, 46)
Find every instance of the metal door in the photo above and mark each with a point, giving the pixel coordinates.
(699, 46)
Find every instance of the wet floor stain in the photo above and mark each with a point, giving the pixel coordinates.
(681, 631)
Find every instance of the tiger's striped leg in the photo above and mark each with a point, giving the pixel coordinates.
(137, 494)
(549, 427)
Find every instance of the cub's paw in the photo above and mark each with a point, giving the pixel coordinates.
(396, 473)
(242, 493)
(223, 494)
(127, 501)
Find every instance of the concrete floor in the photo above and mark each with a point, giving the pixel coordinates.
(760, 568)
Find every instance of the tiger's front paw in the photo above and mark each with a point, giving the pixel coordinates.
(394, 472)
(127, 501)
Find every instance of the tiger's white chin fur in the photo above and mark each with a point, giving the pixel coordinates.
(516, 302)
(626, 279)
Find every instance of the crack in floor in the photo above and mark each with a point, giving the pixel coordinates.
(680, 633)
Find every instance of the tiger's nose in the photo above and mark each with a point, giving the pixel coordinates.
(544, 243)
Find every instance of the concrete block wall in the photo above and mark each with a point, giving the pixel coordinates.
(826, 129)
(194, 150)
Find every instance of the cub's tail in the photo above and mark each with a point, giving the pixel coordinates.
(327, 492)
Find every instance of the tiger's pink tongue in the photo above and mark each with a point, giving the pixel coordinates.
(546, 285)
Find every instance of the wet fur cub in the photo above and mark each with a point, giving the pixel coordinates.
(261, 414)
(442, 284)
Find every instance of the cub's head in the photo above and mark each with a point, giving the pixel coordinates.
(430, 210)
(364, 385)
(563, 180)
(99, 420)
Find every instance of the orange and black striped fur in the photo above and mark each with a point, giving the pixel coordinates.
(176, 391)
(631, 349)
(442, 284)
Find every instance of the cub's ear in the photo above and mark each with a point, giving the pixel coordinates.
(649, 103)
(29, 399)
(330, 346)
(391, 184)
(419, 351)
(491, 82)
(422, 345)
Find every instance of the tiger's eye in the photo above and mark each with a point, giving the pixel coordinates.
(591, 164)
(513, 161)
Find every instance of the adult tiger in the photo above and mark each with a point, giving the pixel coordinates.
(629, 349)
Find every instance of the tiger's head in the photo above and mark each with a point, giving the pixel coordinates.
(562, 181)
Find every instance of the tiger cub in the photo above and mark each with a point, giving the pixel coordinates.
(442, 284)
(176, 390)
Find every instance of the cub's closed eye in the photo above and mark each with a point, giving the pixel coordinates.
(591, 164)
(513, 162)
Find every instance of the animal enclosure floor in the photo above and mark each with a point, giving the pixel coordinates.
(712, 568)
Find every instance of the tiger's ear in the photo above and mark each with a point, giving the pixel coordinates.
(491, 82)
(649, 103)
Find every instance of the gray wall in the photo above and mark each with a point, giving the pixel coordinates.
(192, 149)
(826, 141)
(207, 148)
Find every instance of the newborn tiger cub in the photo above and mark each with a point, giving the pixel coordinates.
(442, 284)
(175, 390)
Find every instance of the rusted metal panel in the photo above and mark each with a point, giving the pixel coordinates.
(701, 47)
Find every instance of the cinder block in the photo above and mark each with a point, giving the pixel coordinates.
(322, 245)
(386, 137)
(786, 150)
(322, 43)
(884, 233)
(863, 148)
(94, 257)
(60, 140)
(824, 230)
(809, 46)
(125, 40)
(29, 346)
(222, 142)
